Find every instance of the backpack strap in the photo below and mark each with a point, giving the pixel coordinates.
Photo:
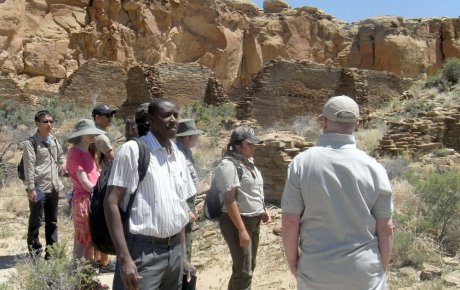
(142, 166)
(34, 143)
(239, 168)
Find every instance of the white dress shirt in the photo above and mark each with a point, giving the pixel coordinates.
(159, 208)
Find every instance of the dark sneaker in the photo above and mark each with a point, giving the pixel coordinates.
(109, 268)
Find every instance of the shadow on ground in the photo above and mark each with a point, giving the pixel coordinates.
(7, 262)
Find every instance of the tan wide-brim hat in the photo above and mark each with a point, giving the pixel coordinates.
(187, 127)
(84, 127)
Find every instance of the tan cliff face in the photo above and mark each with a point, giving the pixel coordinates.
(233, 38)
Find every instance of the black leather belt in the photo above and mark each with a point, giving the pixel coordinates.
(168, 241)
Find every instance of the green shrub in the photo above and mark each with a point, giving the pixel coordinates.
(414, 250)
(57, 273)
(305, 125)
(451, 70)
(209, 118)
(413, 106)
(447, 76)
(14, 114)
(440, 195)
(440, 152)
(396, 168)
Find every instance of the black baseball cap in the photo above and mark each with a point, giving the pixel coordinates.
(244, 133)
(101, 109)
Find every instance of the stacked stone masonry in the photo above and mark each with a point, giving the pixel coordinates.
(431, 130)
(284, 89)
(273, 158)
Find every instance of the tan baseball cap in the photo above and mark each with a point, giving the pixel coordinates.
(341, 109)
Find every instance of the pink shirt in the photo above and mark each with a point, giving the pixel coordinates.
(78, 160)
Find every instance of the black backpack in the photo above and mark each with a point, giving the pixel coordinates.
(21, 174)
(99, 231)
(212, 205)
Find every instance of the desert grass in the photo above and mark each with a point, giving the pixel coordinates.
(307, 126)
(368, 139)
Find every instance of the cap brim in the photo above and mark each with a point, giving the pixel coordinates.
(255, 140)
(111, 112)
(189, 133)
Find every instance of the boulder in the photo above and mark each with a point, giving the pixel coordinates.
(274, 6)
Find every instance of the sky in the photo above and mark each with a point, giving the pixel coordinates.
(355, 10)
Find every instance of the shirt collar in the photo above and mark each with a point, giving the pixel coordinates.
(154, 144)
(249, 162)
(46, 140)
(184, 148)
(336, 141)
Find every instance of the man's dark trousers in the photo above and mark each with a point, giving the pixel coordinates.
(46, 208)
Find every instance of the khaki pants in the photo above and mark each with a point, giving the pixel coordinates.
(244, 259)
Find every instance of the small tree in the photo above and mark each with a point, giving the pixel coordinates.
(440, 202)
(451, 70)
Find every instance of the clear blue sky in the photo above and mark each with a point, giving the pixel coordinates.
(354, 10)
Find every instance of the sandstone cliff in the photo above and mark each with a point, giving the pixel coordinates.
(233, 38)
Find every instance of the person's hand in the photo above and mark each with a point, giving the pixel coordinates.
(293, 269)
(189, 269)
(244, 238)
(31, 195)
(129, 275)
(266, 218)
(191, 217)
(63, 170)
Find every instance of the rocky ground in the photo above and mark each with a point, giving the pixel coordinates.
(211, 257)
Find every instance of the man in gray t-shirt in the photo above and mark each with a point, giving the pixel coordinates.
(102, 116)
(337, 202)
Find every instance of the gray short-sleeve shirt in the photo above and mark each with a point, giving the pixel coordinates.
(250, 194)
(339, 191)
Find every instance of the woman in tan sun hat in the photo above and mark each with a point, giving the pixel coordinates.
(83, 172)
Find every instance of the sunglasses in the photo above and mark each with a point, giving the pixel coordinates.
(47, 122)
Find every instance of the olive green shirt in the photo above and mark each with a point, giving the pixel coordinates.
(42, 168)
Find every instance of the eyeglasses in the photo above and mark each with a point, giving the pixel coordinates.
(47, 122)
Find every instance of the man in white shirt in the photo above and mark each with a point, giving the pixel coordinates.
(337, 203)
(151, 253)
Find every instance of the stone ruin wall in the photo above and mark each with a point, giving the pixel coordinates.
(183, 83)
(284, 89)
(431, 130)
(96, 81)
(106, 82)
(273, 158)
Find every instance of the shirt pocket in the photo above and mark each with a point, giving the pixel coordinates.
(180, 184)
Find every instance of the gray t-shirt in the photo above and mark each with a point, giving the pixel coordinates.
(250, 194)
(339, 191)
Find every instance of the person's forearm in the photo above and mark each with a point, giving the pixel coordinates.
(115, 226)
(235, 217)
(233, 210)
(385, 236)
(385, 250)
(290, 235)
(84, 181)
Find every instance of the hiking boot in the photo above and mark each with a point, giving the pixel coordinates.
(109, 268)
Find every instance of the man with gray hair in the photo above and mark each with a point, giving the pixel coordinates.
(337, 202)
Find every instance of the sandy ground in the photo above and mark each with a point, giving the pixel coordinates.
(210, 252)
